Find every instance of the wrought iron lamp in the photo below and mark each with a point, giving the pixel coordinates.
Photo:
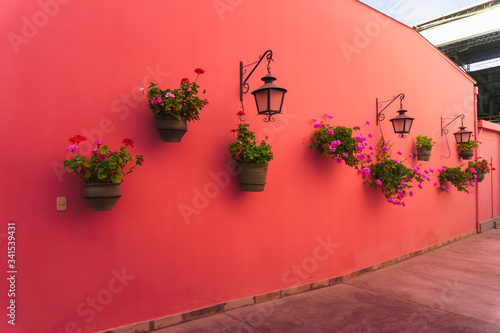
(268, 97)
(462, 136)
(401, 123)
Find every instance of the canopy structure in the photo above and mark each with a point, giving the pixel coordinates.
(471, 38)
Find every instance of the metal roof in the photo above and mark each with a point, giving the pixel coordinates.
(469, 50)
(476, 49)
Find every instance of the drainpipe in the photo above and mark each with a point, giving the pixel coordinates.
(476, 90)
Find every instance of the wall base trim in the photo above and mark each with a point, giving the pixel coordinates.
(489, 224)
(163, 322)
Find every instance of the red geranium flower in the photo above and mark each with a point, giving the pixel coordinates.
(199, 71)
(185, 80)
(128, 142)
(77, 139)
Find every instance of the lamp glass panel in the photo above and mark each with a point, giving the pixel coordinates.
(399, 125)
(276, 97)
(261, 98)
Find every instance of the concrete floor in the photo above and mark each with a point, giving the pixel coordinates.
(452, 289)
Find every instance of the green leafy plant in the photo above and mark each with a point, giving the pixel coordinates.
(181, 102)
(459, 178)
(245, 148)
(424, 142)
(392, 176)
(103, 165)
(468, 146)
(340, 144)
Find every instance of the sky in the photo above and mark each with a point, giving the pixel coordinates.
(412, 12)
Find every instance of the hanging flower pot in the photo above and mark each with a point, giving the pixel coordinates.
(253, 176)
(423, 154)
(252, 158)
(424, 147)
(102, 171)
(174, 107)
(480, 177)
(466, 154)
(450, 175)
(102, 196)
(171, 129)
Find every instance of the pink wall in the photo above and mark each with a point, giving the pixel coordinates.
(78, 72)
(489, 188)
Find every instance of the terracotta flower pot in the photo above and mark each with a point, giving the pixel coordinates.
(450, 175)
(466, 154)
(253, 176)
(102, 196)
(480, 177)
(171, 129)
(423, 154)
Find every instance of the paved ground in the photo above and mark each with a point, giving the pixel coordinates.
(452, 289)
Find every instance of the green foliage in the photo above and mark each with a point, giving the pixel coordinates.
(245, 149)
(391, 176)
(185, 102)
(468, 146)
(345, 147)
(103, 165)
(424, 142)
(456, 176)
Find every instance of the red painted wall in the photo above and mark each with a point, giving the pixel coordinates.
(75, 67)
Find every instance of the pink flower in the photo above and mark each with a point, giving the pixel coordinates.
(447, 191)
(468, 191)
(411, 193)
(95, 150)
(141, 89)
(431, 170)
(396, 161)
(317, 125)
(72, 148)
(329, 131)
(330, 116)
(314, 119)
(420, 186)
(390, 200)
(370, 147)
(378, 182)
(370, 135)
(411, 155)
(169, 95)
(443, 187)
(367, 122)
(98, 143)
(385, 148)
(205, 101)
(435, 184)
(399, 153)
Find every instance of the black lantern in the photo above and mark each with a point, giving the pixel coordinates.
(269, 97)
(401, 123)
(462, 136)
